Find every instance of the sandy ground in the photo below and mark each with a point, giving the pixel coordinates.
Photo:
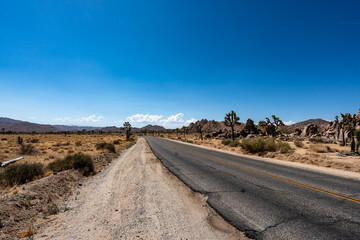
(135, 197)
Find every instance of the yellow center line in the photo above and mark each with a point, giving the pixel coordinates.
(270, 175)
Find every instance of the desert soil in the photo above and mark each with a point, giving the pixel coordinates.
(136, 197)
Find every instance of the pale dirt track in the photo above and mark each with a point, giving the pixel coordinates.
(137, 198)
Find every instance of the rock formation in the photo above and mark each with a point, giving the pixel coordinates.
(249, 128)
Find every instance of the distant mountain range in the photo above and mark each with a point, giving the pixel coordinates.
(8, 124)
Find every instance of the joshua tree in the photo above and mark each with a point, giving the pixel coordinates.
(127, 128)
(272, 128)
(231, 120)
(3, 130)
(199, 129)
(349, 124)
(357, 135)
(185, 130)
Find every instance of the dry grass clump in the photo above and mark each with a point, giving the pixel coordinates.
(318, 148)
(27, 149)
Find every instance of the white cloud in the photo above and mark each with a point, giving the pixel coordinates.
(176, 120)
(289, 122)
(91, 118)
(144, 118)
(192, 120)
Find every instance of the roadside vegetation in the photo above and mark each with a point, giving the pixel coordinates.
(79, 161)
(47, 153)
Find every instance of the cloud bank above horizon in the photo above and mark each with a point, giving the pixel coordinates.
(89, 119)
(176, 120)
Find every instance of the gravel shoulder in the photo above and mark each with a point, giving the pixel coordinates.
(136, 197)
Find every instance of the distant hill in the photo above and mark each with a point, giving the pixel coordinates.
(75, 128)
(13, 125)
(4, 120)
(317, 121)
(152, 128)
(134, 129)
(29, 127)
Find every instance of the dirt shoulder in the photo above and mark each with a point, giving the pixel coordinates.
(287, 161)
(137, 197)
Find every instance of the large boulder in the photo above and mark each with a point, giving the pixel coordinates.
(249, 128)
(310, 130)
(297, 132)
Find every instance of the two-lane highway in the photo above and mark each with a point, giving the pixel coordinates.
(267, 200)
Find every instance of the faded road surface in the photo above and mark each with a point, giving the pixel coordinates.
(136, 197)
(267, 200)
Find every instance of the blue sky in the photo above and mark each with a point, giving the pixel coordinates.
(169, 62)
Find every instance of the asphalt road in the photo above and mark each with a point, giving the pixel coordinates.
(266, 200)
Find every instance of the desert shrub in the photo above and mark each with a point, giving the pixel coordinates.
(187, 141)
(104, 145)
(27, 149)
(253, 145)
(262, 145)
(83, 163)
(21, 173)
(78, 161)
(226, 141)
(78, 143)
(234, 143)
(60, 165)
(130, 145)
(299, 144)
(116, 142)
(35, 140)
(283, 147)
(3, 139)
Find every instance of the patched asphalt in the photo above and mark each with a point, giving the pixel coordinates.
(266, 200)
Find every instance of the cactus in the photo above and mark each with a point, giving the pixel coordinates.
(20, 140)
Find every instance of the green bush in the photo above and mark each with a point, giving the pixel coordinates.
(130, 145)
(21, 173)
(109, 146)
(283, 147)
(79, 161)
(52, 209)
(234, 143)
(262, 145)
